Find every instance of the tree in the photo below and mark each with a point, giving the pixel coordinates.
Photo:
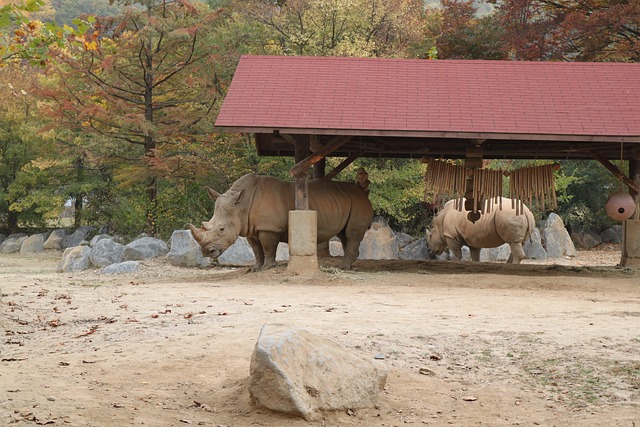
(583, 30)
(28, 189)
(148, 92)
(461, 34)
(339, 27)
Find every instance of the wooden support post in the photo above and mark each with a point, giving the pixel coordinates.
(301, 174)
(346, 162)
(472, 160)
(630, 182)
(305, 163)
(634, 175)
(319, 168)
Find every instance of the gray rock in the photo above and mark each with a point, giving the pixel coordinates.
(57, 240)
(78, 236)
(34, 244)
(106, 252)
(298, 373)
(99, 237)
(185, 251)
(282, 252)
(121, 268)
(75, 259)
(2, 238)
(404, 239)
(416, 250)
(556, 239)
(12, 243)
(585, 239)
(501, 253)
(612, 234)
(238, 254)
(533, 248)
(145, 248)
(379, 241)
(335, 247)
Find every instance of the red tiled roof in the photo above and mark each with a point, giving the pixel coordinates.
(396, 96)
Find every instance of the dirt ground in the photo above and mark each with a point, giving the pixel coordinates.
(466, 344)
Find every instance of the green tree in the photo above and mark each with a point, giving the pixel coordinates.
(339, 27)
(148, 93)
(28, 190)
(460, 33)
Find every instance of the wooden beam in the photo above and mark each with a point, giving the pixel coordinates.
(617, 172)
(634, 174)
(346, 162)
(305, 164)
(301, 176)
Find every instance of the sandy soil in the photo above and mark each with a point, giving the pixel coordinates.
(466, 344)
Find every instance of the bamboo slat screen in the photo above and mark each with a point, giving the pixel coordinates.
(530, 185)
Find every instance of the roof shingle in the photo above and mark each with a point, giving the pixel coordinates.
(396, 95)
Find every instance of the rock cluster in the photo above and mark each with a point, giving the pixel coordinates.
(549, 240)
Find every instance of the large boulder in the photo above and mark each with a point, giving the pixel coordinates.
(298, 373)
(95, 239)
(145, 248)
(121, 268)
(585, 239)
(78, 236)
(185, 251)
(379, 241)
(106, 252)
(239, 254)
(13, 243)
(75, 259)
(533, 248)
(612, 234)
(2, 238)
(501, 253)
(57, 240)
(556, 239)
(34, 244)
(416, 250)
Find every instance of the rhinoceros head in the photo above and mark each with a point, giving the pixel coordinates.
(222, 230)
(435, 237)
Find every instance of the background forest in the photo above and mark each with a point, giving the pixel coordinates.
(108, 106)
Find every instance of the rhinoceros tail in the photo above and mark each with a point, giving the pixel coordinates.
(531, 224)
(362, 181)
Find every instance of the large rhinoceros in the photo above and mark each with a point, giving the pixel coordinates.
(257, 207)
(452, 229)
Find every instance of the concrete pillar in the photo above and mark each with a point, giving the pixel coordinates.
(630, 243)
(303, 235)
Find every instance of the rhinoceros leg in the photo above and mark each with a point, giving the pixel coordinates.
(257, 252)
(269, 242)
(455, 247)
(475, 254)
(517, 253)
(351, 247)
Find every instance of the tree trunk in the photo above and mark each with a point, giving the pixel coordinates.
(149, 142)
(77, 211)
(79, 204)
(12, 221)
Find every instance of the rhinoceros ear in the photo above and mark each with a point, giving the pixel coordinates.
(212, 193)
(197, 233)
(235, 198)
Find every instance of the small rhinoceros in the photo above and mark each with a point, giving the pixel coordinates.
(452, 229)
(257, 207)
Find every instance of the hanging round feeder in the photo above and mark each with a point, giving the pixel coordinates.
(620, 206)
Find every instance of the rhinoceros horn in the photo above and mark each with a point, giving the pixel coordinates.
(212, 193)
(197, 233)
